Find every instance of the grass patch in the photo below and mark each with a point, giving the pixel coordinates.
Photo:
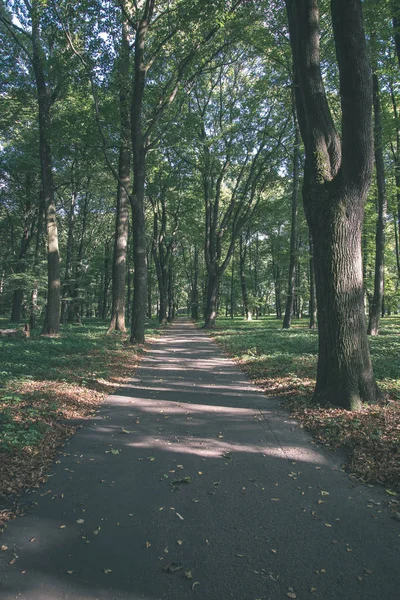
(283, 363)
(46, 385)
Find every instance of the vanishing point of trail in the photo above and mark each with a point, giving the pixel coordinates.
(191, 483)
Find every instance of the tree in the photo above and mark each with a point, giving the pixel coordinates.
(336, 180)
(293, 231)
(124, 171)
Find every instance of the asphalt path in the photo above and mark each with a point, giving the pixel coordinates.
(191, 483)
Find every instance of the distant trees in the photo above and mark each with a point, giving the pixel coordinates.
(150, 161)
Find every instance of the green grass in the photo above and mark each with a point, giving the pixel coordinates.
(46, 383)
(268, 351)
(284, 363)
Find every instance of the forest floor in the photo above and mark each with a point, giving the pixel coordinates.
(48, 386)
(283, 363)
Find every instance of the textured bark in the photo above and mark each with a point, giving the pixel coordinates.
(336, 180)
(139, 299)
(210, 314)
(293, 230)
(377, 300)
(52, 318)
(117, 322)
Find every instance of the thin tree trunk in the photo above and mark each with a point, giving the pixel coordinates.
(377, 300)
(67, 292)
(313, 296)
(243, 281)
(117, 322)
(232, 296)
(194, 303)
(293, 231)
(77, 291)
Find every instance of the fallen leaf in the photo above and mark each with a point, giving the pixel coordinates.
(70, 572)
(188, 575)
(107, 571)
(125, 430)
(328, 525)
(273, 550)
(80, 521)
(324, 493)
(62, 527)
(32, 539)
(200, 472)
(179, 516)
(96, 531)
(275, 499)
(148, 544)
(4, 548)
(172, 567)
(391, 493)
(179, 542)
(291, 595)
(114, 451)
(195, 583)
(151, 458)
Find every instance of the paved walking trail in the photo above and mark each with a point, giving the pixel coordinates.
(265, 515)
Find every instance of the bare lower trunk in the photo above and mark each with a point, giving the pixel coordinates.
(344, 375)
(117, 322)
(377, 300)
(67, 291)
(194, 300)
(293, 231)
(211, 303)
(243, 281)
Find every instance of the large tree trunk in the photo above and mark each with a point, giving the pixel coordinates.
(52, 319)
(211, 301)
(293, 231)
(377, 300)
(336, 181)
(122, 214)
